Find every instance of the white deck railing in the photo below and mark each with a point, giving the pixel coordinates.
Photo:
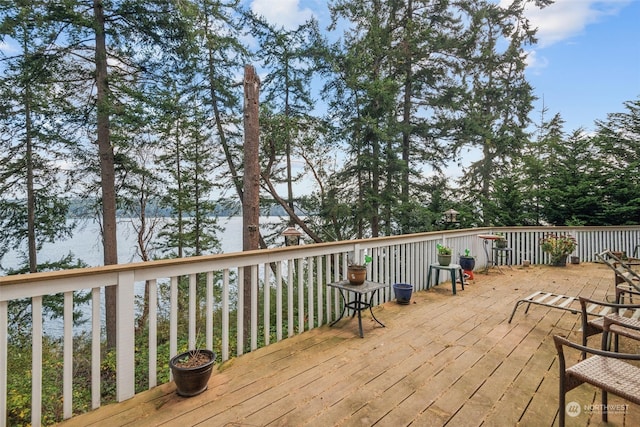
(296, 279)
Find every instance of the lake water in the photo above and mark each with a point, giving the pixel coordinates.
(86, 243)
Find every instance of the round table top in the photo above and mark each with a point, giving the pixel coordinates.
(490, 236)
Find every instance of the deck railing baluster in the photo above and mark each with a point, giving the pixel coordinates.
(67, 381)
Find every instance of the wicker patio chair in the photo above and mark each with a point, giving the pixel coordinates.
(625, 276)
(626, 314)
(609, 371)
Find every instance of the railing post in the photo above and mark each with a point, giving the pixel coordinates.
(254, 308)
(125, 350)
(36, 360)
(4, 342)
(279, 311)
(96, 395)
(300, 287)
(209, 314)
(225, 315)
(192, 311)
(266, 311)
(153, 332)
(67, 383)
(173, 317)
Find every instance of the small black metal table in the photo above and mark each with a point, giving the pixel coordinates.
(359, 303)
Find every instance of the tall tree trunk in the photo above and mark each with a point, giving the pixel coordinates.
(406, 107)
(235, 176)
(287, 135)
(251, 199)
(31, 198)
(485, 192)
(376, 176)
(107, 169)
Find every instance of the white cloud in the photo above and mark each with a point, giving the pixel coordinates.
(285, 13)
(565, 19)
(535, 61)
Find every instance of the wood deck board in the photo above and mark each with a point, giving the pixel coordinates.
(441, 360)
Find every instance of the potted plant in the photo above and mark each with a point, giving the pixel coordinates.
(558, 246)
(357, 273)
(501, 242)
(191, 371)
(467, 261)
(444, 255)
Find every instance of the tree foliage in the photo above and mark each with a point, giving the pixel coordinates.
(356, 133)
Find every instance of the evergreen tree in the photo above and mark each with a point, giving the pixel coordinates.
(572, 193)
(494, 115)
(35, 144)
(425, 56)
(365, 95)
(108, 45)
(218, 55)
(618, 140)
(187, 157)
(533, 168)
(288, 57)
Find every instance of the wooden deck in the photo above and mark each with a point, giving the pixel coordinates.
(442, 360)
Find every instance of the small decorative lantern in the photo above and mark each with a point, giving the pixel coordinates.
(451, 217)
(291, 236)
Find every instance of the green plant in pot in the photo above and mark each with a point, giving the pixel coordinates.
(357, 273)
(558, 246)
(444, 254)
(502, 241)
(191, 371)
(467, 261)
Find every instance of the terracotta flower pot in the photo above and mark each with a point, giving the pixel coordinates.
(356, 274)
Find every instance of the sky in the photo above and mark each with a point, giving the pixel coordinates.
(585, 65)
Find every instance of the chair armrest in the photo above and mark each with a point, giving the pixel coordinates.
(626, 289)
(625, 292)
(560, 342)
(624, 322)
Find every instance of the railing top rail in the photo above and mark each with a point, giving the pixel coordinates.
(239, 258)
(105, 275)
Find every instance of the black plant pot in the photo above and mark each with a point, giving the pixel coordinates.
(403, 292)
(468, 263)
(560, 261)
(191, 381)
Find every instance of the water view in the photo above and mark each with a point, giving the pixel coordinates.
(86, 243)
